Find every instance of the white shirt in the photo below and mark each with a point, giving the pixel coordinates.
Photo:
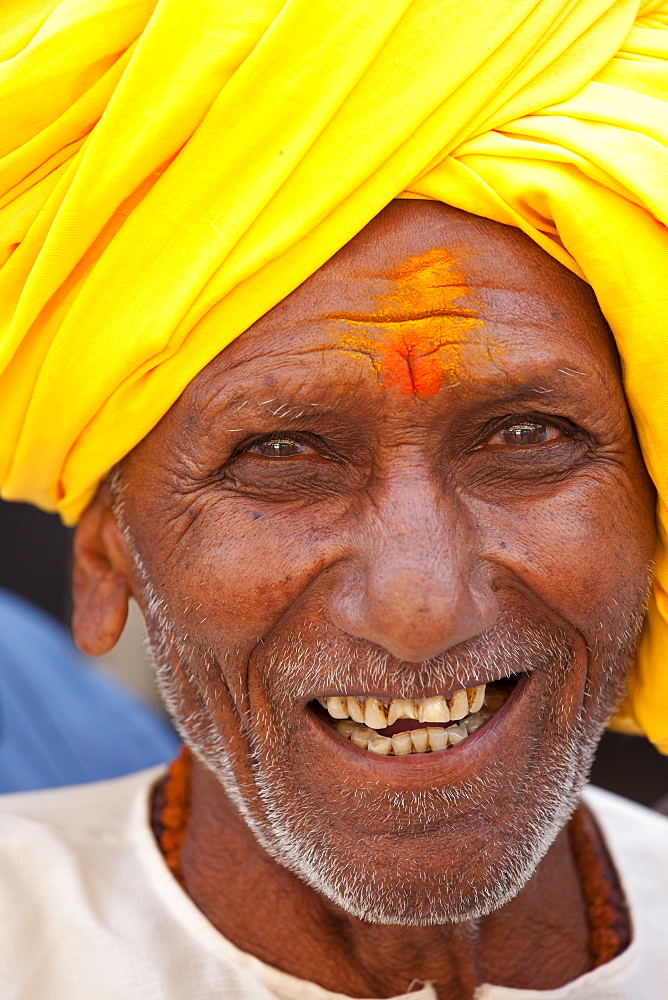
(89, 910)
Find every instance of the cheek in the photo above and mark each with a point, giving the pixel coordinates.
(585, 553)
(237, 576)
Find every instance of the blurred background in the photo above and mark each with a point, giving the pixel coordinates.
(66, 718)
(35, 564)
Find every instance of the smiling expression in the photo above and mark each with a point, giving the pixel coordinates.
(415, 475)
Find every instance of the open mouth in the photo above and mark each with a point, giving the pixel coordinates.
(398, 727)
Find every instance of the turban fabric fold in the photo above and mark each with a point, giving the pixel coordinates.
(171, 170)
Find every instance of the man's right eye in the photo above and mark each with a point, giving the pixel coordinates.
(526, 434)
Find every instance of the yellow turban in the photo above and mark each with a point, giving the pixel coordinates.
(170, 170)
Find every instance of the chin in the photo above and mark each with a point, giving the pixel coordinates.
(460, 856)
(437, 893)
(406, 906)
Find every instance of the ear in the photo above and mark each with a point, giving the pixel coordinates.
(101, 577)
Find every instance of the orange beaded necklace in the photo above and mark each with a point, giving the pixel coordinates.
(609, 929)
(169, 810)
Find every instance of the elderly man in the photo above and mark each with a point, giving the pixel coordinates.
(369, 469)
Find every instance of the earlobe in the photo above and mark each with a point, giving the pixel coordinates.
(100, 579)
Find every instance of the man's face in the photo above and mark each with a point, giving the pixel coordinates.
(416, 475)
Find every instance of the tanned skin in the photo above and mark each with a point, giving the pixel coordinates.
(402, 516)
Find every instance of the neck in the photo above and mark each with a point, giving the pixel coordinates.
(536, 941)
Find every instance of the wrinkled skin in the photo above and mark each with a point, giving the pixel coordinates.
(456, 474)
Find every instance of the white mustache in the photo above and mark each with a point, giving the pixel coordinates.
(311, 663)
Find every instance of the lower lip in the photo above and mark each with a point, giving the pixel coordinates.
(488, 741)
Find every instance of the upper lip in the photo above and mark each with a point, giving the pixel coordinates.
(428, 691)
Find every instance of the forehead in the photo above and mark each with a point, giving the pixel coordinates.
(424, 278)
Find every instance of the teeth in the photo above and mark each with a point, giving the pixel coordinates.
(401, 744)
(474, 722)
(355, 710)
(346, 728)
(456, 734)
(375, 714)
(379, 744)
(495, 698)
(358, 719)
(434, 710)
(400, 709)
(433, 738)
(476, 697)
(337, 708)
(438, 738)
(459, 705)
(361, 737)
(420, 740)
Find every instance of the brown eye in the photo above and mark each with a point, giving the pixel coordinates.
(525, 433)
(279, 448)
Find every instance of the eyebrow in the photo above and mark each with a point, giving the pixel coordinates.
(512, 390)
(277, 406)
(555, 386)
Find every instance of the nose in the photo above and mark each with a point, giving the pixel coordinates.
(412, 583)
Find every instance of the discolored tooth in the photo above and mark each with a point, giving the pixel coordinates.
(360, 736)
(494, 698)
(401, 709)
(337, 708)
(433, 710)
(473, 723)
(476, 696)
(401, 744)
(322, 701)
(420, 740)
(346, 728)
(379, 744)
(375, 714)
(456, 734)
(355, 710)
(459, 705)
(438, 738)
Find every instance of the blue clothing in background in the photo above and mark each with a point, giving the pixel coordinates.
(62, 722)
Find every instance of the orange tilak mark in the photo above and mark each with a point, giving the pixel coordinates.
(423, 326)
(409, 361)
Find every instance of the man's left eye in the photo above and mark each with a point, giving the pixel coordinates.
(280, 447)
(525, 433)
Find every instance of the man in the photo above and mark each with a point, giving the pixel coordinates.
(394, 547)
